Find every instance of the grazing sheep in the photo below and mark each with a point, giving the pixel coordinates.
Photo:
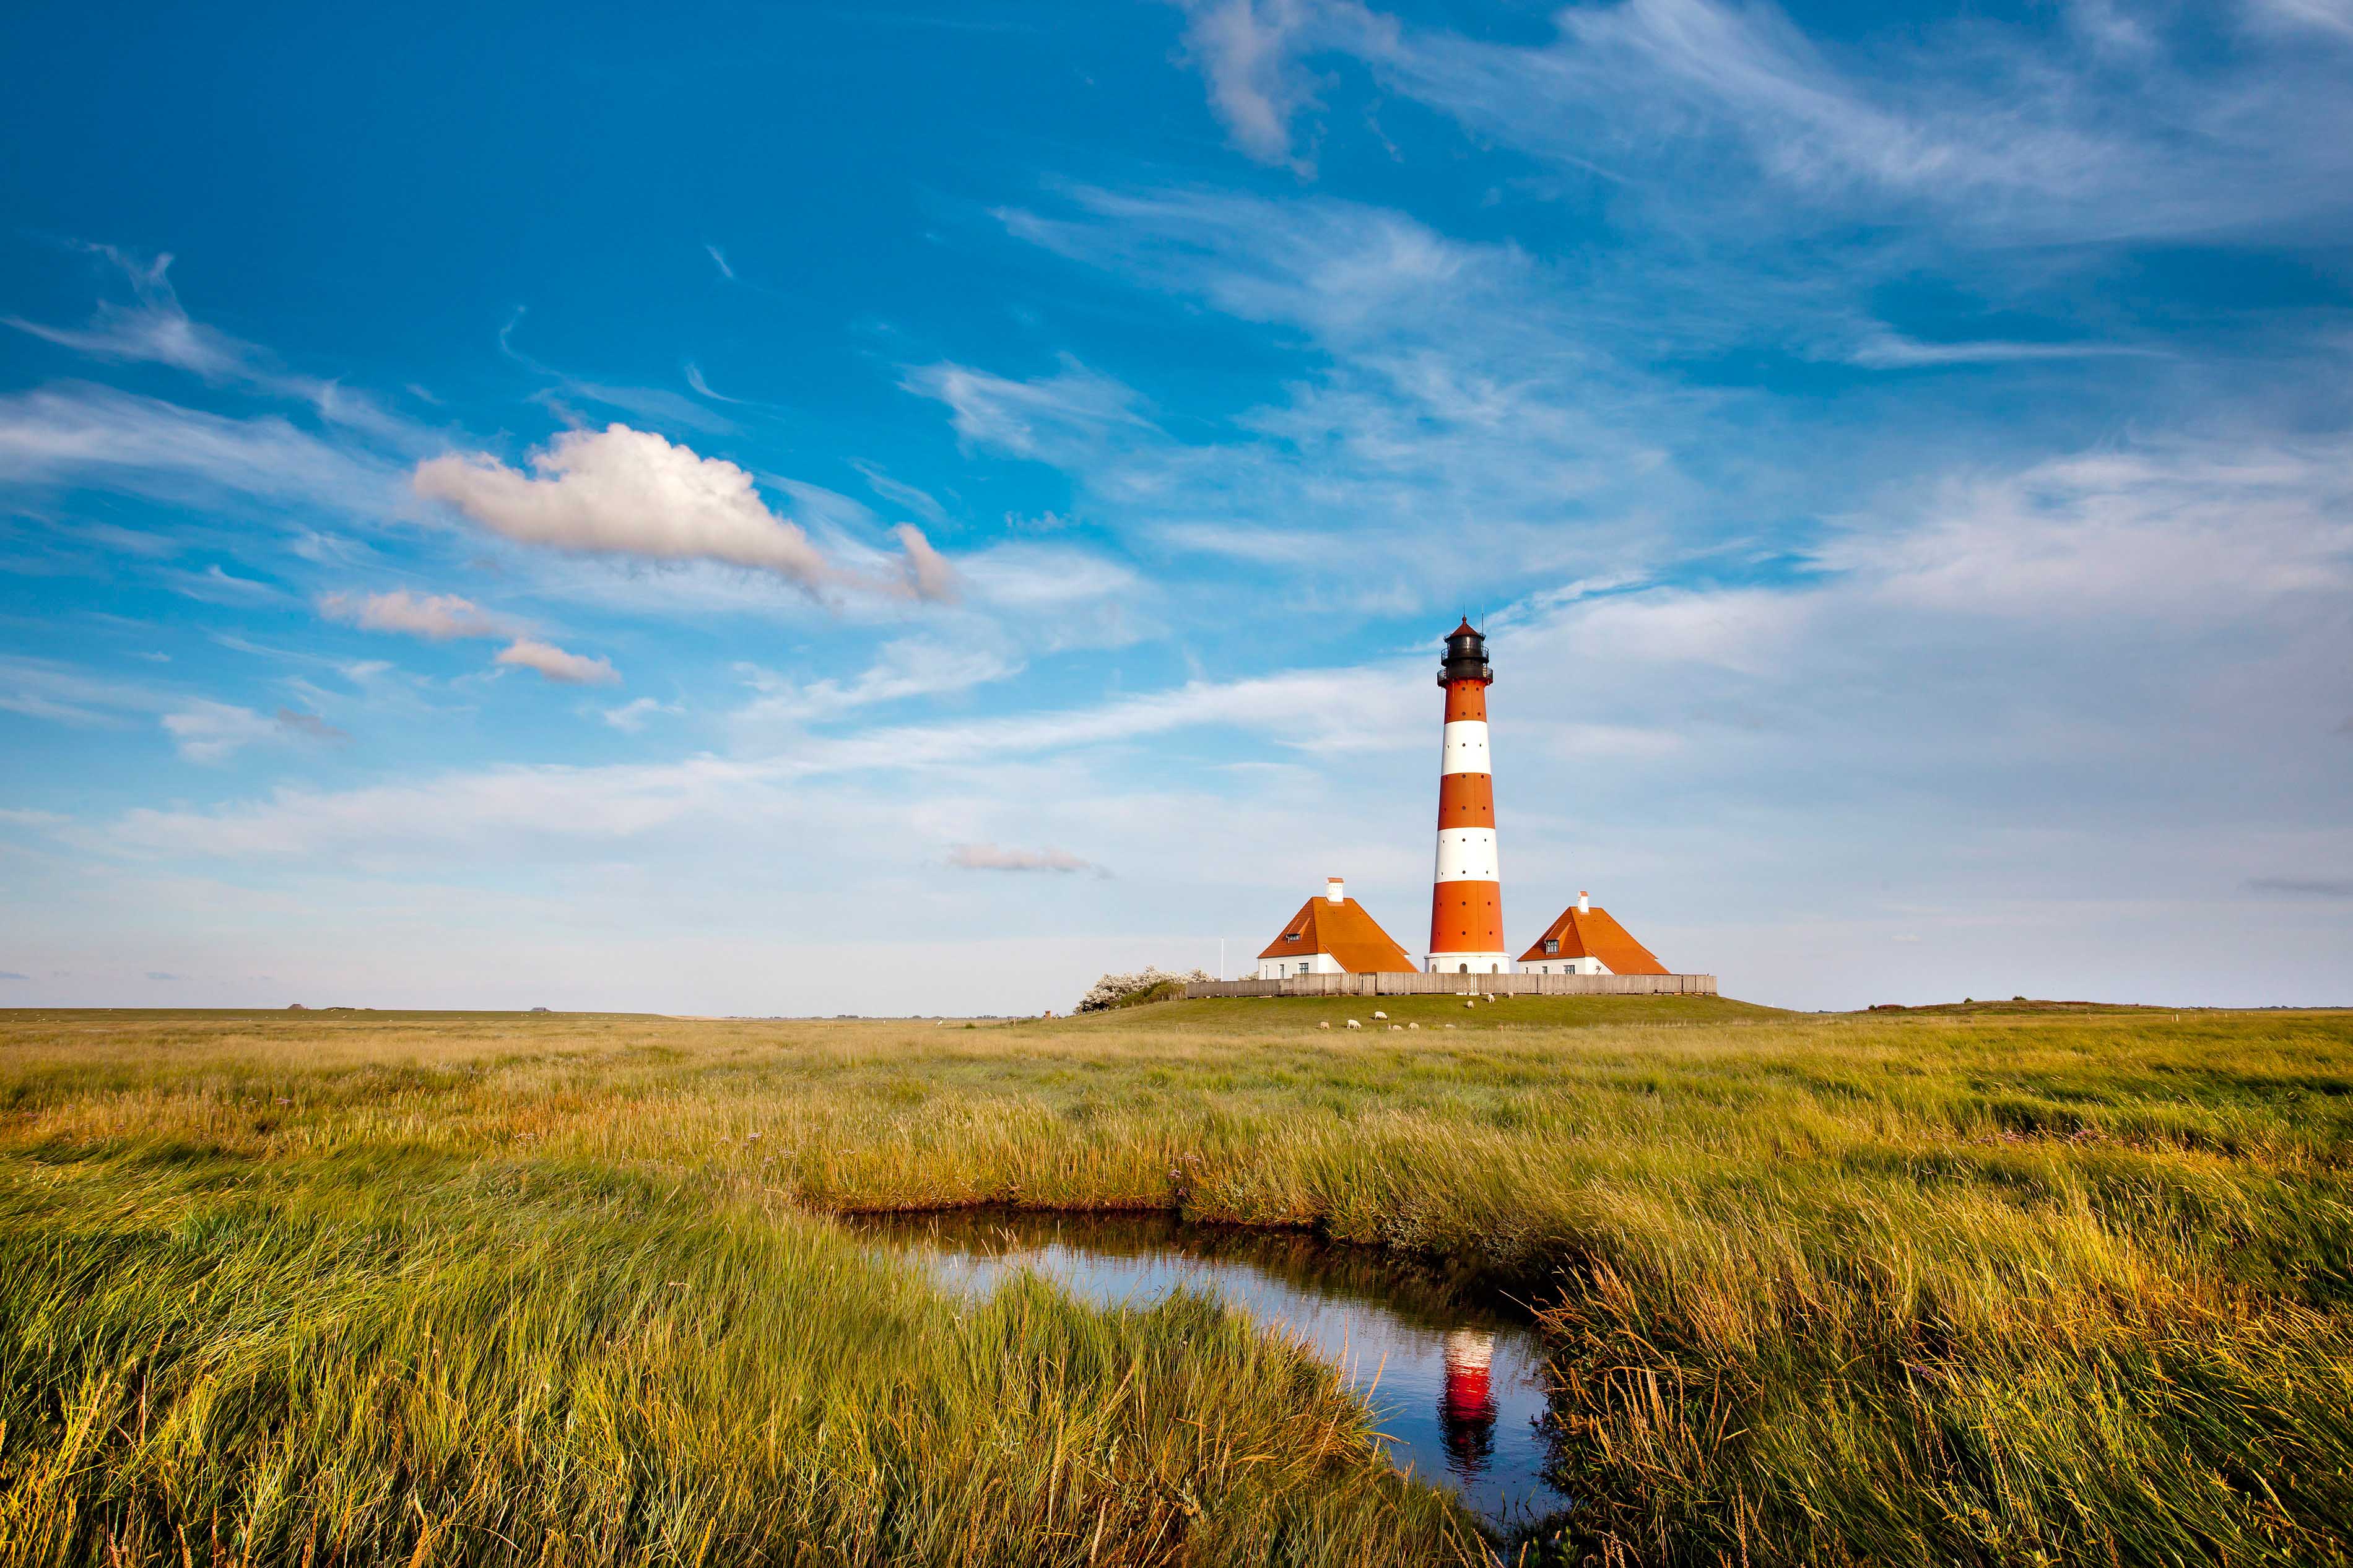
(1381, 1014)
(1396, 1028)
(1472, 1004)
(1354, 1024)
(1413, 1025)
(1325, 1024)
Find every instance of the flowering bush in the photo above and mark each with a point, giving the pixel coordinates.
(1131, 990)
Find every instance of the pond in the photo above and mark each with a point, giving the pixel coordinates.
(1455, 1381)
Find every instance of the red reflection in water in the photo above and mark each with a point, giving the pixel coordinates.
(1466, 1411)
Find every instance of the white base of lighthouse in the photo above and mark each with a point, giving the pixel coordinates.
(1467, 962)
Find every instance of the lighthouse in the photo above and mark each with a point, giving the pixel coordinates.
(1466, 901)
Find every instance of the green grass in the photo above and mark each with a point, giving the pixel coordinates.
(1987, 1288)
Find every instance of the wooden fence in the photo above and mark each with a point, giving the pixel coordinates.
(1410, 982)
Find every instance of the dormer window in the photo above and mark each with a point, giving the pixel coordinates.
(1552, 943)
(1287, 936)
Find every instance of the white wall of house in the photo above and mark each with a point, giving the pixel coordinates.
(1285, 967)
(1565, 966)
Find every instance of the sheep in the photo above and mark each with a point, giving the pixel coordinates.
(1396, 1028)
(1354, 1024)
(1379, 1014)
(1472, 1004)
(1325, 1024)
(1413, 1025)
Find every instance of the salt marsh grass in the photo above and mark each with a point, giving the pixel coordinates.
(367, 1287)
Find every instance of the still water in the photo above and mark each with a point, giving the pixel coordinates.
(1456, 1384)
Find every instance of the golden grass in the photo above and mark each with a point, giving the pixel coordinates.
(1981, 1287)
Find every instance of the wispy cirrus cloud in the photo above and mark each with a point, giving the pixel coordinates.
(78, 433)
(155, 328)
(631, 717)
(1894, 350)
(1047, 416)
(1998, 130)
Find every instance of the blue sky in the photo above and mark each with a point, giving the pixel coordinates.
(819, 509)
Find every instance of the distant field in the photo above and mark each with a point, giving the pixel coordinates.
(1988, 1286)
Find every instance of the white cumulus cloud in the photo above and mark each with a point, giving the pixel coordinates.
(620, 492)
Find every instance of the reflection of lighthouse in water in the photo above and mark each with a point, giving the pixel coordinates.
(1466, 1411)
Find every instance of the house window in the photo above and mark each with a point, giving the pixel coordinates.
(1552, 945)
(1290, 936)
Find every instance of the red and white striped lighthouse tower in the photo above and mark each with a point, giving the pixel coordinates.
(1466, 901)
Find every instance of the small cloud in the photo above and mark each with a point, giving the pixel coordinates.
(310, 726)
(440, 617)
(159, 974)
(719, 259)
(209, 731)
(17, 816)
(991, 857)
(573, 670)
(929, 575)
(1248, 52)
(2303, 886)
(631, 717)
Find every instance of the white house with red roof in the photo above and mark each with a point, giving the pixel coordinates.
(1586, 941)
(1332, 935)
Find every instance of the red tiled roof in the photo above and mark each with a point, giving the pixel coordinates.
(1353, 939)
(1591, 933)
